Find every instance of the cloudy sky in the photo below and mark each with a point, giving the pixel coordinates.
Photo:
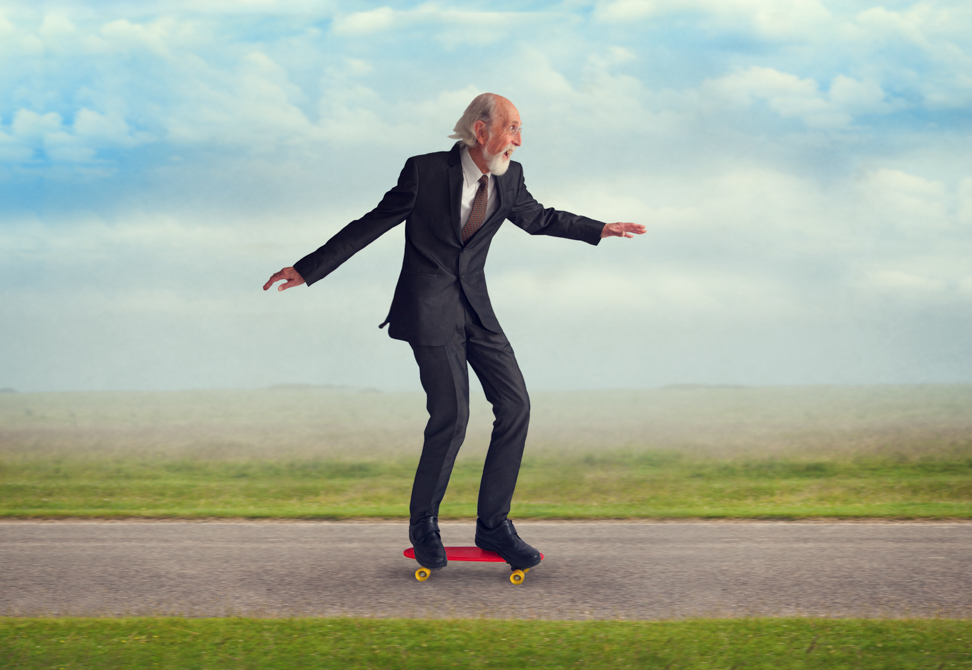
(804, 169)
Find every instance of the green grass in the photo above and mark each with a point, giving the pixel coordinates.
(786, 453)
(615, 484)
(269, 644)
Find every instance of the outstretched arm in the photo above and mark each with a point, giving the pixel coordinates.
(289, 276)
(391, 211)
(532, 217)
(622, 230)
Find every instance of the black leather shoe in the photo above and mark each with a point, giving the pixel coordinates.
(427, 543)
(505, 542)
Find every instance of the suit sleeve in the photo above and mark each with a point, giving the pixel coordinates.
(391, 211)
(532, 217)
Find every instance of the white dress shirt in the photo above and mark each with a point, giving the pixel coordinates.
(470, 185)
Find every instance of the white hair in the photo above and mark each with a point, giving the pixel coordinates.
(480, 109)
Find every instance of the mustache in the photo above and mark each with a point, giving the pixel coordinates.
(508, 149)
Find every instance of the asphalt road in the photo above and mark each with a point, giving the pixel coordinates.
(592, 570)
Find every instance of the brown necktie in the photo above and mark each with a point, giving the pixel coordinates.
(478, 213)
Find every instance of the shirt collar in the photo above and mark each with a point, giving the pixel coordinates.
(470, 172)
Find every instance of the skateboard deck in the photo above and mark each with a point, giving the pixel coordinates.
(469, 554)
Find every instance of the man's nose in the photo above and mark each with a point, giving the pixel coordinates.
(518, 139)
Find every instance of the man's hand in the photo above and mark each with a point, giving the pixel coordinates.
(291, 276)
(622, 230)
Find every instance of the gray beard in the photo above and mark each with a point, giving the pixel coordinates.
(497, 164)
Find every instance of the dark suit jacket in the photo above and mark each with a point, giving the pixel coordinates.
(427, 307)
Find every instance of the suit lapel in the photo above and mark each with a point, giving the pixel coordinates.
(455, 189)
(500, 187)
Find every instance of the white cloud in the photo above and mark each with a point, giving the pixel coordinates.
(578, 107)
(136, 233)
(937, 33)
(253, 6)
(31, 45)
(104, 129)
(56, 26)
(252, 106)
(786, 94)
(6, 27)
(357, 67)
(128, 36)
(62, 147)
(766, 202)
(858, 97)
(265, 99)
(454, 27)
(886, 22)
(768, 18)
(365, 23)
(904, 284)
(792, 97)
(91, 131)
(965, 287)
(657, 290)
(965, 203)
(799, 18)
(31, 125)
(929, 26)
(13, 151)
(896, 200)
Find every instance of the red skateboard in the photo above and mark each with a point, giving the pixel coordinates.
(469, 554)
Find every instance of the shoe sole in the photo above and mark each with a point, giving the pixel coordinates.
(503, 556)
(429, 567)
(436, 568)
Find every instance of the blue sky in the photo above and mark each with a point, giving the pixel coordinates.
(803, 169)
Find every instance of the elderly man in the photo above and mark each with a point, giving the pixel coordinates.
(452, 203)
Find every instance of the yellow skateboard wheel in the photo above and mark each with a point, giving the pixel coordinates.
(422, 574)
(517, 576)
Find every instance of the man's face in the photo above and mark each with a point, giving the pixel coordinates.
(503, 139)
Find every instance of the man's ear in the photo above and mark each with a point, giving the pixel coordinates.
(481, 133)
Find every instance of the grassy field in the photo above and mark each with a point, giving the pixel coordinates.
(775, 644)
(317, 453)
